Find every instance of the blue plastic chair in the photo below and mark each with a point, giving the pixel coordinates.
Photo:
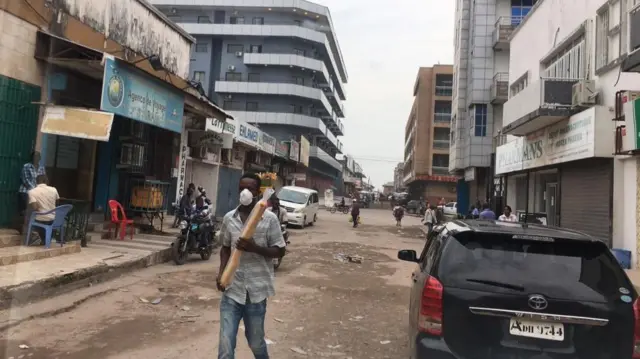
(60, 213)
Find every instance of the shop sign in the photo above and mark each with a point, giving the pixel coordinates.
(268, 143)
(77, 122)
(182, 165)
(304, 151)
(470, 174)
(298, 176)
(226, 129)
(282, 149)
(568, 140)
(349, 179)
(248, 134)
(129, 93)
(294, 151)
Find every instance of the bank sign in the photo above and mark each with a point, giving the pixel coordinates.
(568, 140)
(127, 92)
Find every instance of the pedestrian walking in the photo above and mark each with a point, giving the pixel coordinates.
(507, 215)
(487, 213)
(355, 213)
(398, 213)
(246, 298)
(430, 218)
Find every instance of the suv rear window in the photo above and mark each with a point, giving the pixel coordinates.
(559, 268)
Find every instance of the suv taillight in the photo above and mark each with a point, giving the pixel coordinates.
(430, 319)
(636, 329)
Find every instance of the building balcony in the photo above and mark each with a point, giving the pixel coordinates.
(542, 103)
(314, 124)
(502, 30)
(441, 144)
(338, 107)
(439, 171)
(317, 152)
(500, 88)
(272, 88)
(442, 118)
(445, 91)
(289, 60)
(288, 31)
(334, 124)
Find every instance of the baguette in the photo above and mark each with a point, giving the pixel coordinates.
(247, 233)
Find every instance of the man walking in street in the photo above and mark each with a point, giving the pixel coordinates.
(487, 213)
(30, 171)
(430, 218)
(246, 297)
(355, 212)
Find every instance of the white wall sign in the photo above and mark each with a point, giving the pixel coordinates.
(248, 134)
(566, 141)
(268, 143)
(470, 174)
(182, 165)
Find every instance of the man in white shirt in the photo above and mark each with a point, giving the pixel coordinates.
(43, 198)
(508, 215)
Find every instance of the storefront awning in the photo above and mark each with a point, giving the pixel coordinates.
(75, 57)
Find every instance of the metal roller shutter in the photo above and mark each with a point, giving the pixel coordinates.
(585, 197)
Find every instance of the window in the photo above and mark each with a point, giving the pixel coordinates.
(299, 52)
(602, 39)
(233, 76)
(203, 20)
(480, 128)
(295, 109)
(442, 112)
(174, 18)
(252, 106)
(198, 76)
(298, 80)
(230, 105)
(520, 9)
(256, 49)
(258, 21)
(236, 20)
(444, 85)
(568, 63)
(297, 22)
(202, 47)
(253, 77)
(520, 84)
(440, 160)
(233, 48)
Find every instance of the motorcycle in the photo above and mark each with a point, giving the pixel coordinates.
(344, 209)
(285, 234)
(190, 240)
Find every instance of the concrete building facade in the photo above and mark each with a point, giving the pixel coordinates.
(564, 74)
(480, 88)
(398, 177)
(275, 64)
(427, 133)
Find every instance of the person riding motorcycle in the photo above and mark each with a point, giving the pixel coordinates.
(201, 213)
(278, 210)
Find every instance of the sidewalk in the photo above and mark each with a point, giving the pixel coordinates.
(101, 260)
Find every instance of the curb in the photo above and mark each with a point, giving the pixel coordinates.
(25, 293)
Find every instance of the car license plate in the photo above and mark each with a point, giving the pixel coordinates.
(539, 330)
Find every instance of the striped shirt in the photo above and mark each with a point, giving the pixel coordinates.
(254, 276)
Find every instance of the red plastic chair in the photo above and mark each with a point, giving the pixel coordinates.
(119, 219)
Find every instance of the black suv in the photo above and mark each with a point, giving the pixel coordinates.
(499, 290)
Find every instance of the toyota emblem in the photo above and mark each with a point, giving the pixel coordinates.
(538, 302)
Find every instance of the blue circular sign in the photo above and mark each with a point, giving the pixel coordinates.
(115, 91)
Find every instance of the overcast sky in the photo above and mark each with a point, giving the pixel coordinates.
(384, 43)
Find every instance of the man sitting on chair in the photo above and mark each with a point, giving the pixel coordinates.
(42, 198)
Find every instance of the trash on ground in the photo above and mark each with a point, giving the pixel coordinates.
(298, 350)
(156, 301)
(356, 318)
(355, 259)
(144, 300)
(278, 320)
(334, 346)
(23, 346)
(299, 329)
(345, 258)
(124, 290)
(385, 342)
(341, 257)
(269, 341)
(185, 309)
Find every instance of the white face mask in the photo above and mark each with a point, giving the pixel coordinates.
(246, 197)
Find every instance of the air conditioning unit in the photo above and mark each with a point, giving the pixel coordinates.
(239, 53)
(584, 93)
(199, 152)
(231, 68)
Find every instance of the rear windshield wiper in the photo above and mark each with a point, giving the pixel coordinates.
(497, 284)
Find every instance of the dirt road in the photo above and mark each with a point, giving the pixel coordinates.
(323, 307)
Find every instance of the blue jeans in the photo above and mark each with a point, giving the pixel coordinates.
(253, 316)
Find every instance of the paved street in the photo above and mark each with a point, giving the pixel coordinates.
(323, 307)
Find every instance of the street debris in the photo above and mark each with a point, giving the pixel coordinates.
(298, 350)
(144, 300)
(345, 258)
(334, 346)
(299, 329)
(156, 301)
(357, 318)
(385, 342)
(278, 320)
(185, 309)
(23, 346)
(269, 341)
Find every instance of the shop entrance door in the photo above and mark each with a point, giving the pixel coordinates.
(551, 203)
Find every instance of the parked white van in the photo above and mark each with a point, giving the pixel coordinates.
(302, 205)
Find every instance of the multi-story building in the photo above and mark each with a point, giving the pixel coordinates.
(277, 65)
(398, 177)
(564, 75)
(426, 151)
(481, 68)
